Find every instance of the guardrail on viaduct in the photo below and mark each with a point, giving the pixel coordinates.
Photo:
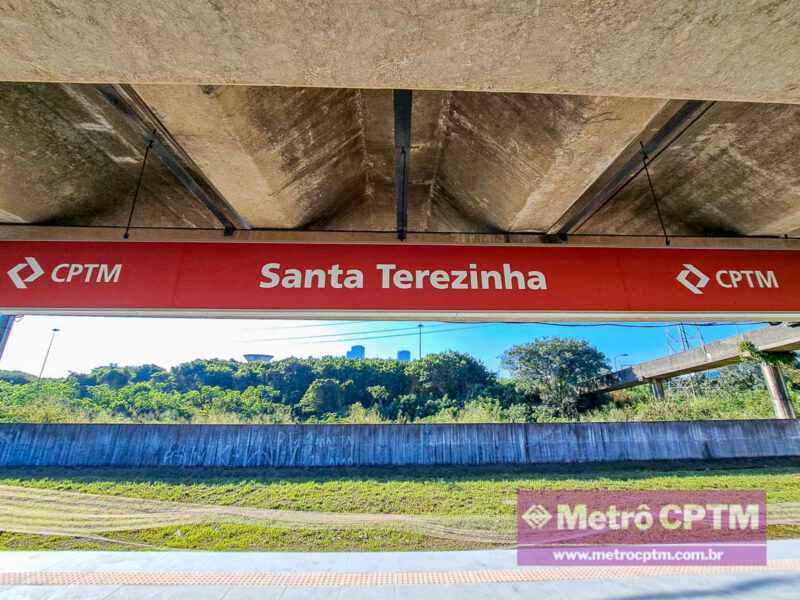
(31, 445)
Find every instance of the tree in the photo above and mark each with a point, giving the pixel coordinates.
(452, 374)
(322, 396)
(16, 377)
(291, 377)
(191, 375)
(113, 376)
(143, 373)
(552, 368)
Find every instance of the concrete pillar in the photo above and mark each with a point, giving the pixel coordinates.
(657, 389)
(777, 391)
(6, 322)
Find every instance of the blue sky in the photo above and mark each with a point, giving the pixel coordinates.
(86, 342)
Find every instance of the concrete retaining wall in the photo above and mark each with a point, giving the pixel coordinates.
(340, 445)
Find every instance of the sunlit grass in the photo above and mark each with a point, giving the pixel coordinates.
(448, 492)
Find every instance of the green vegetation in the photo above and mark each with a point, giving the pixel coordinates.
(402, 508)
(312, 390)
(231, 537)
(453, 491)
(551, 368)
(420, 508)
(637, 405)
(737, 393)
(450, 387)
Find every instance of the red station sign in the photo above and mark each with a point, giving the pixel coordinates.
(500, 282)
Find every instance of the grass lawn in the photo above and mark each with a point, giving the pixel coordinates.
(464, 498)
(230, 537)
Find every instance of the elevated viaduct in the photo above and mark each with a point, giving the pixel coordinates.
(709, 356)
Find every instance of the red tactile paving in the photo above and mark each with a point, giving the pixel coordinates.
(256, 579)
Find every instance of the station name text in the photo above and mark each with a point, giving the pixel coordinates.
(393, 277)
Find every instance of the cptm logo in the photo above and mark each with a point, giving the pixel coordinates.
(694, 280)
(30, 270)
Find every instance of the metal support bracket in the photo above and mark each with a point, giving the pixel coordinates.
(402, 152)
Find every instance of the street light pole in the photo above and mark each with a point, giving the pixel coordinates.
(419, 327)
(47, 354)
(618, 356)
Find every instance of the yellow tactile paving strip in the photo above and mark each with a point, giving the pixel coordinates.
(256, 579)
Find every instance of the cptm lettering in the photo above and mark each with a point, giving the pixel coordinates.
(751, 279)
(87, 273)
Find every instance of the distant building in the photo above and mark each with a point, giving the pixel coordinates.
(404, 356)
(258, 357)
(355, 352)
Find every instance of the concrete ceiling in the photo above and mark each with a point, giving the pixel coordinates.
(528, 117)
(723, 50)
(323, 159)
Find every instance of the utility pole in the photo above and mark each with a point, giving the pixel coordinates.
(47, 354)
(682, 341)
(419, 327)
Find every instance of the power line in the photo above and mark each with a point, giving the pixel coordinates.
(395, 335)
(338, 334)
(642, 325)
(305, 326)
(350, 336)
(453, 329)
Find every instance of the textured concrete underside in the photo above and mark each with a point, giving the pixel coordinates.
(69, 156)
(734, 171)
(288, 157)
(323, 159)
(724, 50)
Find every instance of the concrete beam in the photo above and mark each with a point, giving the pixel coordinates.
(732, 172)
(283, 158)
(70, 156)
(709, 356)
(429, 209)
(322, 159)
(309, 158)
(173, 156)
(22, 231)
(665, 127)
(743, 51)
(516, 162)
